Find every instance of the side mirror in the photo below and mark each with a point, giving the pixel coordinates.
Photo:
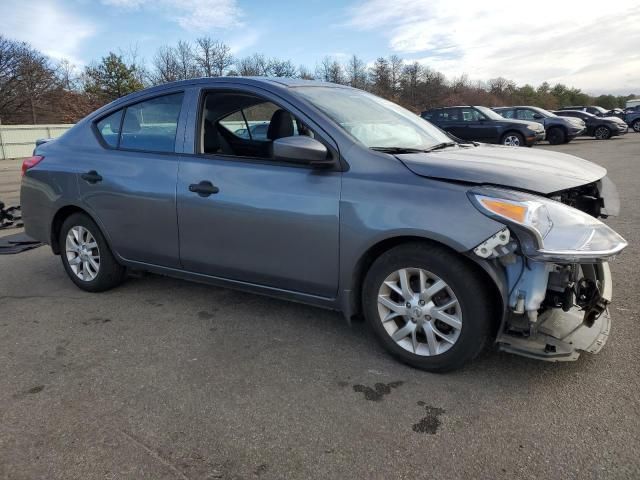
(537, 116)
(302, 150)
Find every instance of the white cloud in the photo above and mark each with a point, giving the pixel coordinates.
(190, 14)
(548, 40)
(48, 27)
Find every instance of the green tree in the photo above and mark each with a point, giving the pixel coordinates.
(111, 78)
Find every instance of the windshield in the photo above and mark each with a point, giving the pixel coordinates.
(544, 112)
(373, 121)
(601, 110)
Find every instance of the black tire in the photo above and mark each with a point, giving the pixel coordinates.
(602, 133)
(636, 126)
(556, 136)
(464, 280)
(110, 273)
(513, 134)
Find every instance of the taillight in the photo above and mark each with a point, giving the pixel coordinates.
(31, 162)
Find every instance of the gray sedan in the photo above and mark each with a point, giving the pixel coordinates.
(350, 203)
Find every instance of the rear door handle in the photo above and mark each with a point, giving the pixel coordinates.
(91, 176)
(204, 188)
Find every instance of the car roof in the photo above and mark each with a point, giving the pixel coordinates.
(284, 83)
(517, 106)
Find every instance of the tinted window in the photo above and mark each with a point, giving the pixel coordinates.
(109, 128)
(471, 115)
(508, 113)
(525, 114)
(448, 115)
(151, 125)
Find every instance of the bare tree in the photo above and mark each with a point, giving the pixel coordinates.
(304, 73)
(11, 54)
(165, 66)
(213, 57)
(37, 78)
(281, 68)
(254, 66)
(330, 70)
(188, 67)
(67, 75)
(356, 72)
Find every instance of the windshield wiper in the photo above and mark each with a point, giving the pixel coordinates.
(440, 146)
(397, 150)
(437, 146)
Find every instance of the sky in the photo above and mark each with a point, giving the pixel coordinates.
(578, 43)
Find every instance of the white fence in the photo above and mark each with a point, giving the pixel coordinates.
(18, 141)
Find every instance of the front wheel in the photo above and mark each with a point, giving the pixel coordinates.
(427, 306)
(602, 133)
(86, 257)
(636, 126)
(556, 136)
(513, 139)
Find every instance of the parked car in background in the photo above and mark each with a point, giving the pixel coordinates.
(481, 124)
(592, 109)
(557, 129)
(632, 118)
(601, 128)
(254, 132)
(634, 102)
(351, 203)
(615, 112)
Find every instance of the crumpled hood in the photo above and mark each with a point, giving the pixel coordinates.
(522, 168)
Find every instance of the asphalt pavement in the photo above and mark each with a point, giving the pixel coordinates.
(161, 378)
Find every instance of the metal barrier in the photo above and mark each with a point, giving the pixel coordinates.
(18, 141)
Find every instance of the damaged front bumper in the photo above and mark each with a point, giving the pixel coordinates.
(562, 334)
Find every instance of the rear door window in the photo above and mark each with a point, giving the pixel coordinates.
(151, 125)
(508, 113)
(471, 115)
(525, 114)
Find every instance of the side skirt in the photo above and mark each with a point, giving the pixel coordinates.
(314, 300)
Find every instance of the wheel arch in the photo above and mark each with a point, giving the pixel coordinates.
(61, 215)
(511, 130)
(352, 304)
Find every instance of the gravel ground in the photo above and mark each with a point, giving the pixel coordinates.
(162, 378)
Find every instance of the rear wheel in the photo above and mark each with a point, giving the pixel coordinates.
(513, 139)
(556, 136)
(427, 306)
(636, 126)
(602, 133)
(86, 257)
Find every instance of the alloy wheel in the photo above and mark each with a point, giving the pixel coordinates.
(636, 126)
(419, 311)
(511, 141)
(602, 133)
(83, 254)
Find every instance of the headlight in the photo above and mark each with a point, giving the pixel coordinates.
(548, 229)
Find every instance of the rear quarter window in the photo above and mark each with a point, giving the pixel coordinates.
(109, 128)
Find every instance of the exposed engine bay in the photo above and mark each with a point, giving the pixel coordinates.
(555, 310)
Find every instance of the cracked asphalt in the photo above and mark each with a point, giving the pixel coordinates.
(162, 378)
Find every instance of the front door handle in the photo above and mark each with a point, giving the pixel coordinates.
(204, 188)
(91, 176)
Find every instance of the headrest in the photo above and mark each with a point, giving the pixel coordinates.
(281, 125)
